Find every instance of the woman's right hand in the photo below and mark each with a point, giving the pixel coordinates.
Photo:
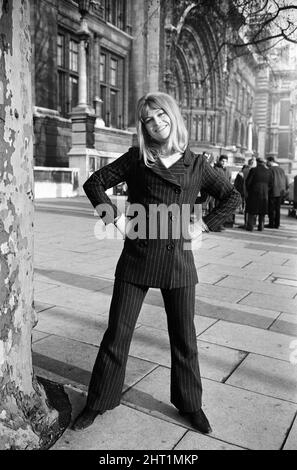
(124, 225)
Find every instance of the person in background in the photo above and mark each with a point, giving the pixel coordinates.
(207, 201)
(238, 184)
(222, 167)
(162, 171)
(258, 184)
(276, 193)
(245, 171)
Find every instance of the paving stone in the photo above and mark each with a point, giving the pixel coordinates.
(49, 374)
(210, 276)
(145, 432)
(250, 339)
(76, 298)
(37, 335)
(291, 263)
(196, 441)
(276, 248)
(65, 278)
(269, 260)
(291, 442)
(243, 258)
(269, 288)
(81, 326)
(286, 323)
(40, 286)
(268, 376)
(213, 269)
(216, 362)
(225, 261)
(40, 306)
(220, 293)
(155, 317)
(239, 417)
(273, 302)
(74, 361)
(236, 313)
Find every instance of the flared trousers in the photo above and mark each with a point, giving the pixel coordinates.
(108, 373)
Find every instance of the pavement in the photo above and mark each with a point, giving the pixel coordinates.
(246, 325)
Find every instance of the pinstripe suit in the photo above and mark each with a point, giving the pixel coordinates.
(155, 262)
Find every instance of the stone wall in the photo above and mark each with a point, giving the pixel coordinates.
(113, 142)
(52, 139)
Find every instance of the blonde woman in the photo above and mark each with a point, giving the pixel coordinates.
(161, 172)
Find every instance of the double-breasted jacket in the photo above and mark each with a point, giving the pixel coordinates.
(161, 261)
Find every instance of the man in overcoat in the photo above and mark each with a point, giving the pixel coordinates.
(258, 183)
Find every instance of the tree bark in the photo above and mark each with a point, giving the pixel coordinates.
(26, 420)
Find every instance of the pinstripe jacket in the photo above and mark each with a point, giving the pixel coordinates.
(160, 261)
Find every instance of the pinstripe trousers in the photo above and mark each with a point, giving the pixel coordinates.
(108, 373)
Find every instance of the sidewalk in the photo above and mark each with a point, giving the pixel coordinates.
(246, 328)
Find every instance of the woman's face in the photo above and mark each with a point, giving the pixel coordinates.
(157, 124)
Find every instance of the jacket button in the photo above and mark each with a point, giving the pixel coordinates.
(177, 190)
(170, 246)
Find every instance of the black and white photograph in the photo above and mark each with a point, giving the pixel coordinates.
(148, 229)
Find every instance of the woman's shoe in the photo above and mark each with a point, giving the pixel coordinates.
(198, 420)
(85, 419)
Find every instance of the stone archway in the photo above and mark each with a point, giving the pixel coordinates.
(194, 83)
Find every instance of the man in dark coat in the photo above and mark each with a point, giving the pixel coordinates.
(222, 168)
(258, 183)
(277, 191)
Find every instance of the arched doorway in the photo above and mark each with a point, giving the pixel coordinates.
(196, 86)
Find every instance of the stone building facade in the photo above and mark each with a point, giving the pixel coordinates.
(276, 106)
(130, 48)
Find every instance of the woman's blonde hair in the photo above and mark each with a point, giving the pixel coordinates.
(178, 138)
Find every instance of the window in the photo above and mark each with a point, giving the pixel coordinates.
(113, 72)
(111, 75)
(284, 112)
(102, 74)
(283, 145)
(115, 12)
(67, 63)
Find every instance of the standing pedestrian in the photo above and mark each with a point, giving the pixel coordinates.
(208, 201)
(277, 191)
(222, 167)
(258, 183)
(238, 184)
(245, 171)
(162, 171)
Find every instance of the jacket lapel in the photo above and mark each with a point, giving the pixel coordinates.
(166, 173)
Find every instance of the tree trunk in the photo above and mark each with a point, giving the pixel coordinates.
(26, 420)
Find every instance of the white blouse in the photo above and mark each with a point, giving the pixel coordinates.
(171, 159)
